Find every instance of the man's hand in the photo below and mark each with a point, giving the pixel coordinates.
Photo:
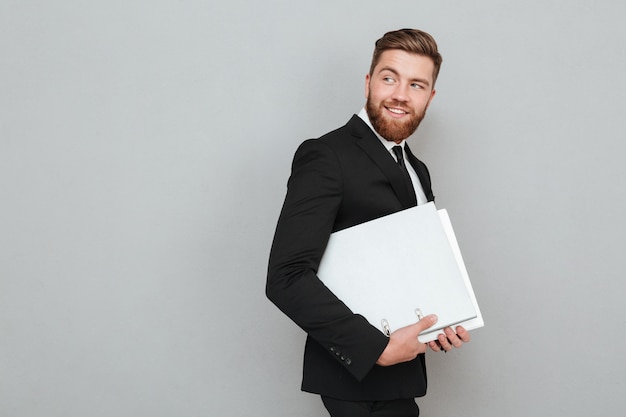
(403, 345)
(450, 339)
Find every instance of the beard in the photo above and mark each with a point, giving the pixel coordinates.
(392, 130)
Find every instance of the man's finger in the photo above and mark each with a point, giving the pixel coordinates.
(453, 338)
(463, 334)
(435, 346)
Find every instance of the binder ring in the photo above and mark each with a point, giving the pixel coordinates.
(386, 328)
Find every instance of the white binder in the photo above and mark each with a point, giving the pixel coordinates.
(398, 266)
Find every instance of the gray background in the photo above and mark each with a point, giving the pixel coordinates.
(144, 152)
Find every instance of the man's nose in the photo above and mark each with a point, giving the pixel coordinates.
(401, 93)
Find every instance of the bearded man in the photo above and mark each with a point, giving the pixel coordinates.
(359, 172)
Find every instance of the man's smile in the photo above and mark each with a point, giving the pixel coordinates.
(396, 111)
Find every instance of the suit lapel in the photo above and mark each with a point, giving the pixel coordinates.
(370, 144)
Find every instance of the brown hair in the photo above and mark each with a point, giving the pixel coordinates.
(410, 40)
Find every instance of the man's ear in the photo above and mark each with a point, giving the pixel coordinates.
(432, 95)
(367, 85)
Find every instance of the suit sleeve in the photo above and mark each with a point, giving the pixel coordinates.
(314, 194)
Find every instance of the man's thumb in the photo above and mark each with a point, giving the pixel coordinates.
(427, 322)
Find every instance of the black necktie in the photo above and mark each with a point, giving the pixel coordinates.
(407, 178)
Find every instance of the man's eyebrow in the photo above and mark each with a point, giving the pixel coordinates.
(395, 72)
(390, 69)
(421, 80)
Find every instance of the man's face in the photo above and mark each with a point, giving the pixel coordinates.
(398, 93)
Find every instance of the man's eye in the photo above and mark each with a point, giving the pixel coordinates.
(416, 86)
(388, 79)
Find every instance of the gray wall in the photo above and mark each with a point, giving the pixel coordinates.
(144, 152)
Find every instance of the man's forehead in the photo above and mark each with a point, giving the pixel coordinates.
(404, 63)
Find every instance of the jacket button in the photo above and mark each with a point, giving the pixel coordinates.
(348, 361)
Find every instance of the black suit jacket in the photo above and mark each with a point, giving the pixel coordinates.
(342, 179)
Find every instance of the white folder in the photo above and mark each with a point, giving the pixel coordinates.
(396, 267)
